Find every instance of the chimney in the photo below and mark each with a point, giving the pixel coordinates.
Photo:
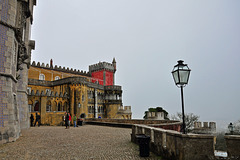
(51, 63)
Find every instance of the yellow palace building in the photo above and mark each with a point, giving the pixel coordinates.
(52, 91)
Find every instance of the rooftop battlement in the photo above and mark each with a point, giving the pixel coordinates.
(206, 128)
(101, 66)
(59, 68)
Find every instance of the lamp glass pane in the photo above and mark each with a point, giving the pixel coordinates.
(184, 75)
(175, 76)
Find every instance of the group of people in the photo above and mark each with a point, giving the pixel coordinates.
(68, 118)
(38, 117)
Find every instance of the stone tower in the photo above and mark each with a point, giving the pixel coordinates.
(15, 53)
(103, 73)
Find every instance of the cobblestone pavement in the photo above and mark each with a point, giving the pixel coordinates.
(87, 142)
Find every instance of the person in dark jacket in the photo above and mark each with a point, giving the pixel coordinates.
(32, 120)
(67, 120)
(37, 120)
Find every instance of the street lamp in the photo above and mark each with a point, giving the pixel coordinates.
(181, 74)
(231, 128)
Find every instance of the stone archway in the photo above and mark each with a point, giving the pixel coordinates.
(36, 106)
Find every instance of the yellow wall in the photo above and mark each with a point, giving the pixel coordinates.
(34, 72)
(77, 94)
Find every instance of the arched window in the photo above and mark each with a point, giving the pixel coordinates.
(36, 106)
(41, 77)
(60, 106)
(57, 78)
(89, 109)
(48, 107)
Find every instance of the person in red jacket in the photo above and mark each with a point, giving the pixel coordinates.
(69, 120)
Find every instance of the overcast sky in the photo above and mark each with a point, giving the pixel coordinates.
(147, 38)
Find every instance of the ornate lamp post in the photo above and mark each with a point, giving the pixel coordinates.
(231, 128)
(181, 74)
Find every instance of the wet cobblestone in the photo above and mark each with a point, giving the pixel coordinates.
(87, 142)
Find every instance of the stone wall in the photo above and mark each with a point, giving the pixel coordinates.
(233, 146)
(130, 121)
(15, 52)
(174, 145)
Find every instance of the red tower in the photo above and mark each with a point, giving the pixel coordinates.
(103, 73)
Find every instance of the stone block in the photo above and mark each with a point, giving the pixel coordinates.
(233, 146)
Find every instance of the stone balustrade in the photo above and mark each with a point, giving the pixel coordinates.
(233, 146)
(174, 145)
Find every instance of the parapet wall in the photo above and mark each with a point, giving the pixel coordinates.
(130, 121)
(101, 66)
(60, 69)
(174, 145)
(204, 128)
(233, 146)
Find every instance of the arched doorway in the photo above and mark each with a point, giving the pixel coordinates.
(36, 106)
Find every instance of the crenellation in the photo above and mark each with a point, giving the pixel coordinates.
(207, 128)
(101, 66)
(33, 63)
(43, 65)
(205, 124)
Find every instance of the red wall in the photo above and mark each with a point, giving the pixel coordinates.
(109, 78)
(99, 76)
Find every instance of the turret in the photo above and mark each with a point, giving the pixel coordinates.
(114, 65)
(103, 73)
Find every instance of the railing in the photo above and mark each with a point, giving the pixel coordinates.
(113, 87)
(174, 145)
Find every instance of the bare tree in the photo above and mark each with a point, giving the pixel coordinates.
(190, 118)
(237, 126)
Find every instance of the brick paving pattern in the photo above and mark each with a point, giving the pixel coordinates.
(86, 142)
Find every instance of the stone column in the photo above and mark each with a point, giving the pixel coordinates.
(96, 104)
(72, 102)
(43, 109)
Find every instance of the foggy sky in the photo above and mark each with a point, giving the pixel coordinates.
(147, 38)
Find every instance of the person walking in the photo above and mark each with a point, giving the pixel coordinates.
(37, 120)
(66, 120)
(32, 120)
(70, 118)
(75, 120)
